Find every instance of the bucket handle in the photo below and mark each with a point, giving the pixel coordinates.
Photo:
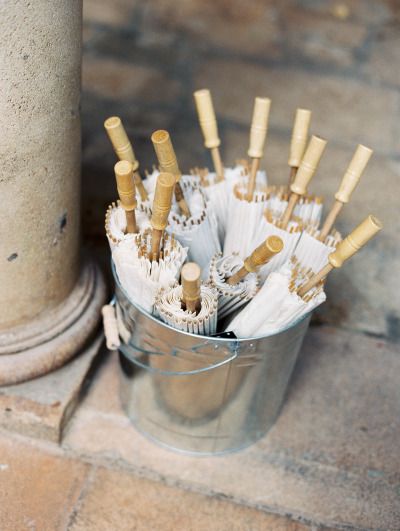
(139, 363)
(113, 342)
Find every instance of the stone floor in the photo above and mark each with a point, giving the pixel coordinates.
(331, 460)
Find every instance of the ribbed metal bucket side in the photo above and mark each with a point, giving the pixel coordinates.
(198, 394)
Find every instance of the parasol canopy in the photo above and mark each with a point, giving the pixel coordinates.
(190, 307)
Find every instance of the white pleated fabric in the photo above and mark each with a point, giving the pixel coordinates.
(231, 297)
(218, 192)
(116, 221)
(141, 278)
(275, 306)
(244, 218)
(308, 209)
(198, 233)
(168, 307)
(290, 238)
(312, 253)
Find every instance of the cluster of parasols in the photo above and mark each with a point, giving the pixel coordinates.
(223, 252)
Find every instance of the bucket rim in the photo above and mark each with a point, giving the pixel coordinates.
(225, 340)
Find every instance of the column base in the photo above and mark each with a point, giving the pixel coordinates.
(47, 343)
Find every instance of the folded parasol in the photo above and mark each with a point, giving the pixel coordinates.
(292, 292)
(191, 307)
(236, 280)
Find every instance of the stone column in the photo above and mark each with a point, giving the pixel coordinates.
(49, 302)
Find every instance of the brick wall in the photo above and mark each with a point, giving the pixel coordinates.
(144, 58)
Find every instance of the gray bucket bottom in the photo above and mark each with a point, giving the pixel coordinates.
(198, 394)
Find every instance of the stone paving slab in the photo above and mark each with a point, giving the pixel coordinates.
(38, 489)
(117, 500)
(331, 459)
(41, 407)
(41, 488)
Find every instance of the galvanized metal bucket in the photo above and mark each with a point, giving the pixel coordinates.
(199, 394)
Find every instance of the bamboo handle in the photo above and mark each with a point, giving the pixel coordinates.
(308, 165)
(251, 185)
(259, 127)
(191, 294)
(207, 119)
(124, 151)
(125, 184)
(258, 134)
(165, 153)
(353, 173)
(120, 141)
(314, 280)
(260, 256)
(168, 163)
(304, 174)
(180, 199)
(127, 193)
(347, 186)
(218, 166)
(156, 236)
(292, 175)
(209, 128)
(345, 250)
(330, 220)
(355, 240)
(299, 137)
(293, 198)
(162, 200)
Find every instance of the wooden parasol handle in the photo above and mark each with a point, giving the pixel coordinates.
(209, 127)
(299, 137)
(161, 209)
(127, 193)
(304, 174)
(191, 283)
(347, 186)
(258, 134)
(168, 163)
(260, 256)
(124, 150)
(345, 250)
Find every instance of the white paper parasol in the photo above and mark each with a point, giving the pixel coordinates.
(236, 280)
(231, 297)
(142, 278)
(292, 292)
(191, 307)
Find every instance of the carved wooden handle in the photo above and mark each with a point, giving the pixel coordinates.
(299, 137)
(207, 119)
(125, 184)
(120, 141)
(165, 153)
(110, 327)
(308, 165)
(260, 256)
(355, 240)
(259, 127)
(264, 252)
(191, 282)
(353, 173)
(162, 200)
